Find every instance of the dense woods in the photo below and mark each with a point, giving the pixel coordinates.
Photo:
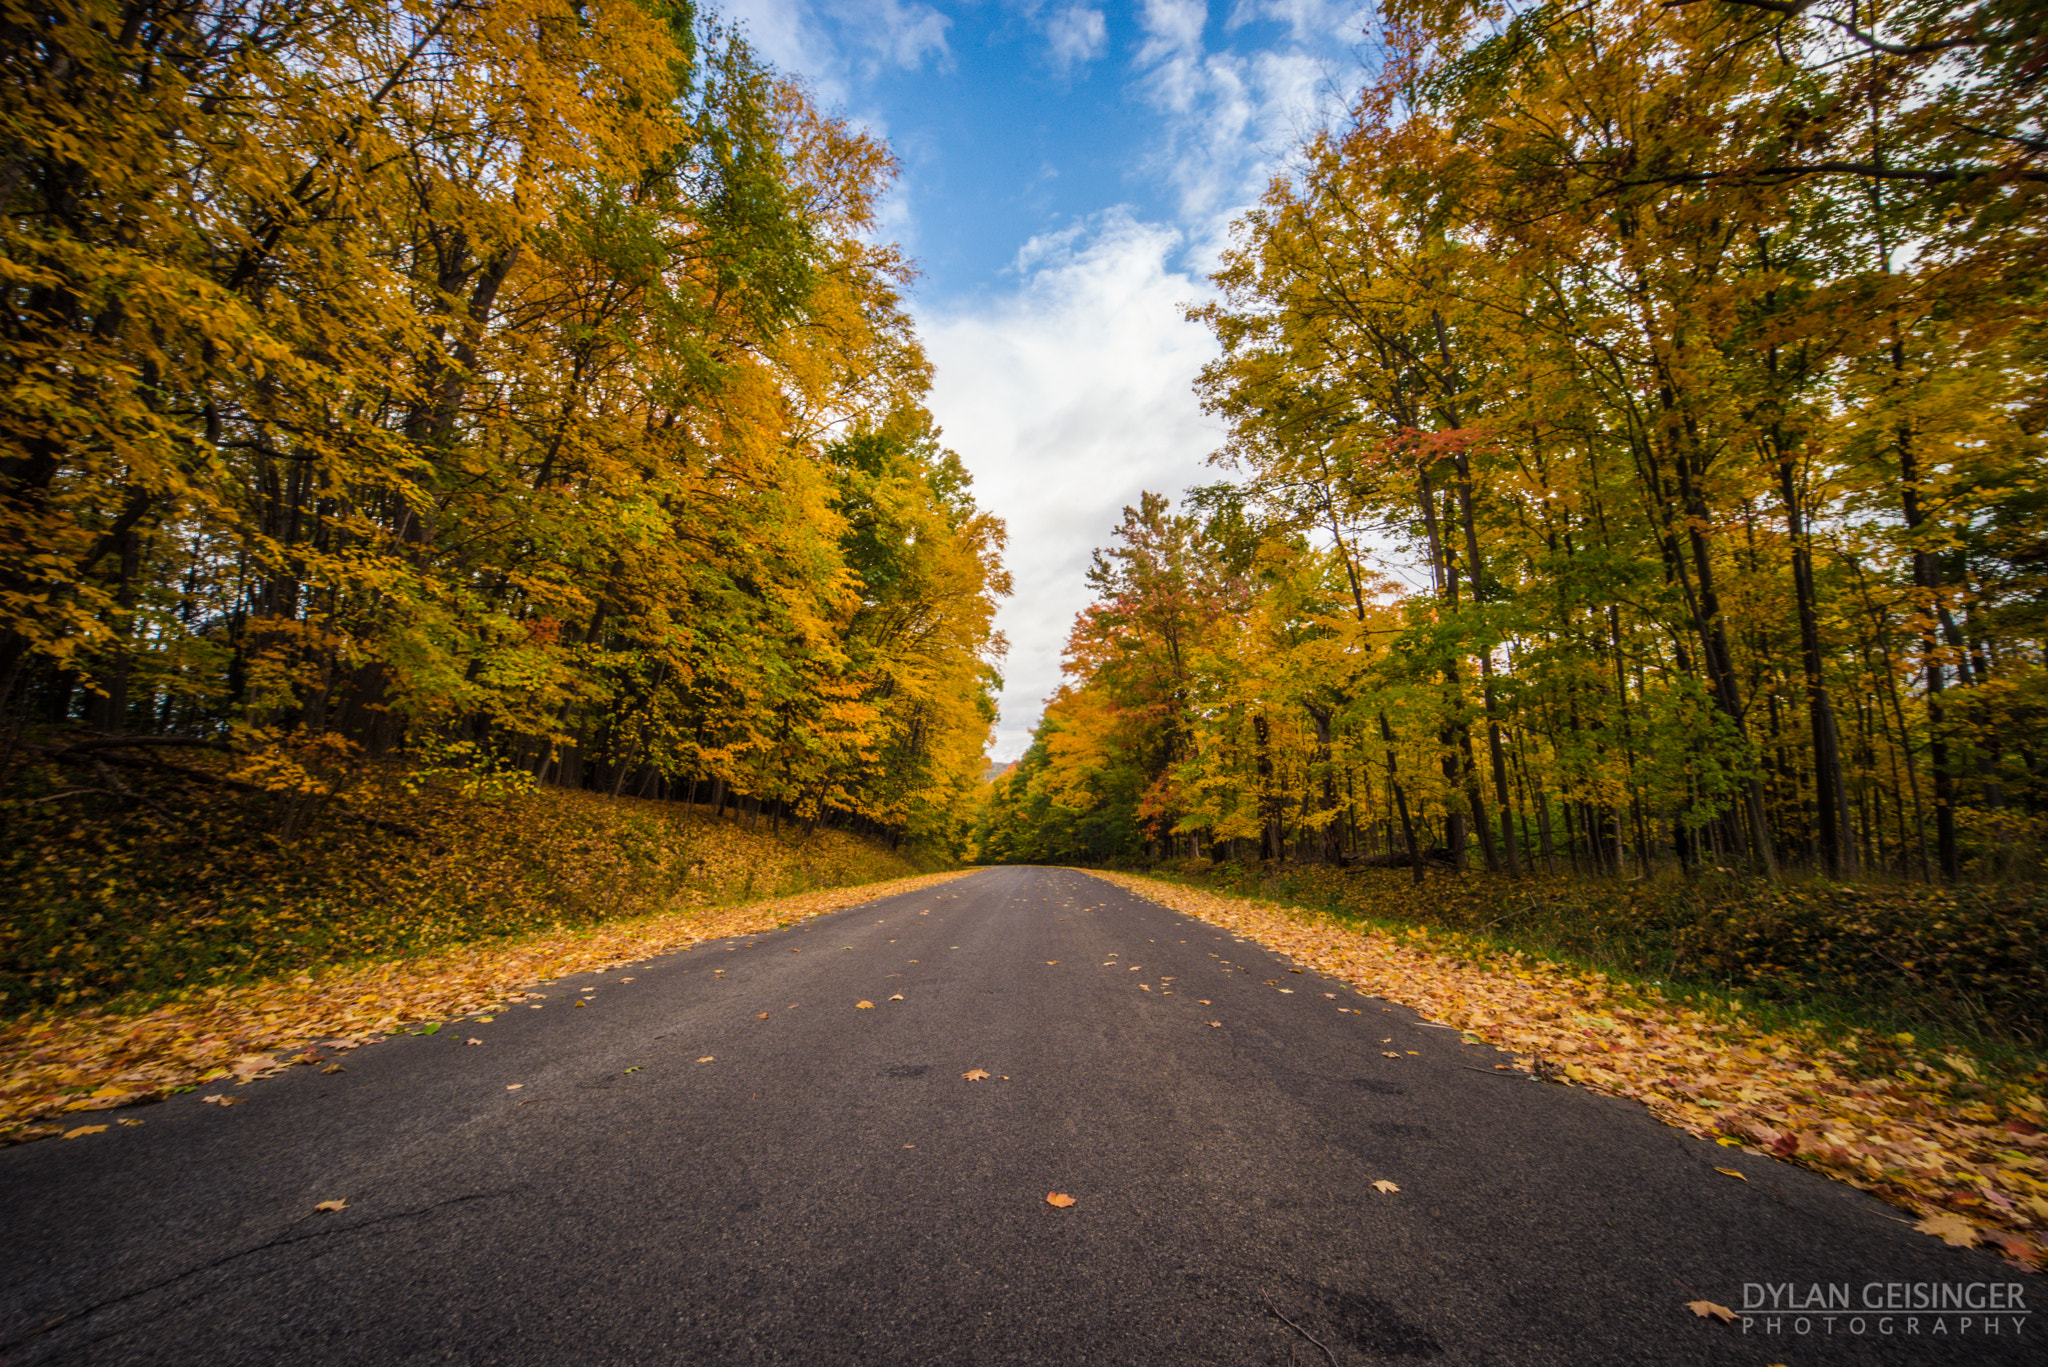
(1636, 415)
(515, 391)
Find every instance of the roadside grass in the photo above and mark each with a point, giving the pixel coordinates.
(166, 934)
(1953, 1127)
(1857, 966)
(187, 887)
(59, 1067)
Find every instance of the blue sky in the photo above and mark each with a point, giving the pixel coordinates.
(1070, 170)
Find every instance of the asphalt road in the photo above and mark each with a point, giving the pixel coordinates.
(675, 1179)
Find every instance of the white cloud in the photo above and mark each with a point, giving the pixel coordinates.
(1227, 119)
(1173, 30)
(835, 44)
(896, 34)
(1076, 35)
(1308, 21)
(1066, 399)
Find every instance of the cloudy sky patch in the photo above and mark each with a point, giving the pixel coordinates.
(1070, 171)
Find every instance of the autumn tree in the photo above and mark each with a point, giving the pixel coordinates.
(451, 374)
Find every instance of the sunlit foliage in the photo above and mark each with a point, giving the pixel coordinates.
(521, 382)
(1638, 418)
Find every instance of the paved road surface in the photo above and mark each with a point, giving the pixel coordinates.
(829, 1190)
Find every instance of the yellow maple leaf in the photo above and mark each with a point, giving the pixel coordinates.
(1952, 1230)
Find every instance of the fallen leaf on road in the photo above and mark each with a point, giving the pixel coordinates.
(582, 1003)
(763, 1016)
(84, 1130)
(863, 1006)
(897, 998)
(1388, 1053)
(1952, 1230)
(975, 1074)
(1288, 991)
(218, 1100)
(1730, 1172)
(1059, 1198)
(334, 1068)
(706, 1059)
(1216, 1023)
(1707, 1310)
(1384, 1185)
(332, 1205)
(149, 1049)
(1879, 1113)
(472, 1040)
(1051, 962)
(514, 1086)
(131, 1122)
(1144, 987)
(2019, 1250)
(485, 1020)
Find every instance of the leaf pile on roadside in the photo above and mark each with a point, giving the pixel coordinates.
(97, 1058)
(1922, 1131)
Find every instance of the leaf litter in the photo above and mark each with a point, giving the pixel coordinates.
(1915, 1127)
(57, 1063)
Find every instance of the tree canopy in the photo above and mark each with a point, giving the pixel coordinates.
(523, 386)
(1637, 418)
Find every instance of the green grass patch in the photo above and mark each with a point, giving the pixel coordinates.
(1953, 968)
(191, 888)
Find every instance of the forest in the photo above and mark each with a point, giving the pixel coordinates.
(496, 394)
(1636, 436)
